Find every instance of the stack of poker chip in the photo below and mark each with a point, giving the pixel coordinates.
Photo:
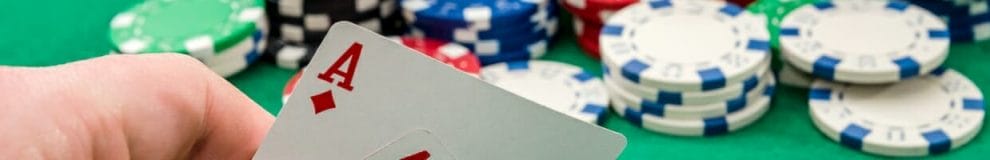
(588, 17)
(878, 86)
(969, 20)
(687, 67)
(494, 30)
(565, 88)
(298, 26)
(452, 54)
(226, 35)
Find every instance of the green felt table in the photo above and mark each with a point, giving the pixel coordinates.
(44, 33)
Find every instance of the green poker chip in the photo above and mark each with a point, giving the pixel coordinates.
(201, 28)
(775, 10)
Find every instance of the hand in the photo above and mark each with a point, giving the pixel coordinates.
(151, 106)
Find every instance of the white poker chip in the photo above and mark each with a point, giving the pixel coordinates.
(921, 116)
(692, 98)
(562, 87)
(684, 45)
(790, 76)
(712, 109)
(699, 126)
(864, 41)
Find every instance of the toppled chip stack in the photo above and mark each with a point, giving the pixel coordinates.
(715, 82)
(496, 31)
(226, 35)
(298, 26)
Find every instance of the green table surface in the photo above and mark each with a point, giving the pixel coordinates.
(45, 33)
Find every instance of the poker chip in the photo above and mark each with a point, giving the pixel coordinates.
(565, 88)
(238, 57)
(692, 98)
(892, 41)
(775, 10)
(700, 126)
(969, 20)
(743, 3)
(300, 25)
(307, 21)
(495, 31)
(714, 108)
(532, 51)
(289, 56)
(594, 11)
(473, 14)
(588, 18)
(926, 115)
(290, 85)
(645, 44)
(225, 35)
(790, 76)
(587, 37)
(496, 46)
(449, 53)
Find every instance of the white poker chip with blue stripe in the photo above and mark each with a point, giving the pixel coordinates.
(864, 41)
(753, 110)
(692, 98)
(921, 116)
(562, 87)
(684, 45)
(712, 109)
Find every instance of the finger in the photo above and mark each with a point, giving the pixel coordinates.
(175, 106)
(232, 130)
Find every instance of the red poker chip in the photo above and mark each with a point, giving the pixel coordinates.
(449, 53)
(587, 37)
(586, 30)
(594, 11)
(590, 47)
(289, 86)
(742, 3)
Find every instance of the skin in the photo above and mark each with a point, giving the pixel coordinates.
(150, 106)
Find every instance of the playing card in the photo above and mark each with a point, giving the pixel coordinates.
(418, 144)
(362, 91)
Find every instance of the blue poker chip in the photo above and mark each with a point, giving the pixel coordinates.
(532, 51)
(565, 88)
(892, 41)
(472, 13)
(664, 120)
(495, 46)
(528, 31)
(540, 17)
(926, 115)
